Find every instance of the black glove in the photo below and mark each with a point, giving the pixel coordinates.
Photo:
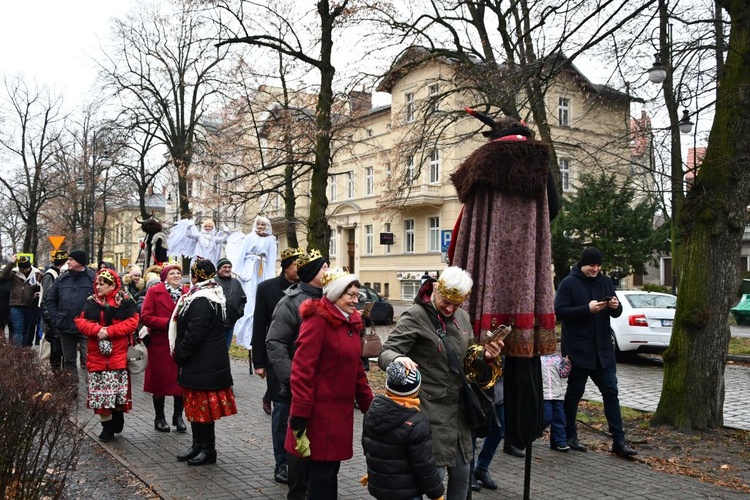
(146, 340)
(298, 425)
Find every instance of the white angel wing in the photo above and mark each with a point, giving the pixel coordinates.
(180, 243)
(233, 249)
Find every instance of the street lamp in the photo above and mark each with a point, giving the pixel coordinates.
(104, 162)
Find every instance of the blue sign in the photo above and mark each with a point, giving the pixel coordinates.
(445, 239)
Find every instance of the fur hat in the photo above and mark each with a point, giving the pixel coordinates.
(79, 256)
(590, 255)
(402, 382)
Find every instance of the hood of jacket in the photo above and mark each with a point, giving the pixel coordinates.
(385, 415)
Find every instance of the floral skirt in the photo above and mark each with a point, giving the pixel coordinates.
(207, 406)
(109, 390)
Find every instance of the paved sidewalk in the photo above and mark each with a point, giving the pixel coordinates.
(245, 458)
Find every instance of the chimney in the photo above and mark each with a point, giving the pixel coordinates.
(359, 102)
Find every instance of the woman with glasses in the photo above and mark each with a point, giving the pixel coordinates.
(327, 378)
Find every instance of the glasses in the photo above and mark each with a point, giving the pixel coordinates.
(352, 295)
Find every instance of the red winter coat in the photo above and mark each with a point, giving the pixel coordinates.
(327, 376)
(161, 371)
(121, 320)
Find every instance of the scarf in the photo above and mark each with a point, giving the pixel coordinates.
(209, 289)
(405, 401)
(175, 293)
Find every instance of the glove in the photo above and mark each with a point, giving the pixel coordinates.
(298, 425)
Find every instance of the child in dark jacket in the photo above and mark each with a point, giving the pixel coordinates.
(397, 441)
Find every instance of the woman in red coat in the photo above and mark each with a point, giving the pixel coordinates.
(108, 319)
(161, 371)
(327, 376)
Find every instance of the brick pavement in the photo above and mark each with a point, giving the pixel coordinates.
(245, 458)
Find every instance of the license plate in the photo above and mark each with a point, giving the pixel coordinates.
(667, 322)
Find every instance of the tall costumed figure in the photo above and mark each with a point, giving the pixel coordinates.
(254, 263)
(207, 242)
(154, 243)
(502, 239)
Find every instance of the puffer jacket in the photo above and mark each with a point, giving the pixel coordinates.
(398, 447)
(67, 298)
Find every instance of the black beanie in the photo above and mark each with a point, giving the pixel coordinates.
(222, 262)
(24, 263)
(310, 270)
(590, 255)
(79, 256)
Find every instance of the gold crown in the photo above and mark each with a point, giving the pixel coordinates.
(107, 275)
(291, 252)
(453, 294)
(332, 275)
(308, 257)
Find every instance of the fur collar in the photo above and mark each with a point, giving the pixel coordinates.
(330, 313)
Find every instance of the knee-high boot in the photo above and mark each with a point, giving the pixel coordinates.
(207, 454)
(160, 423)
(118, 417)
(177, 420)
(195, 448)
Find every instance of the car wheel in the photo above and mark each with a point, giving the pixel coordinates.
(622, 356)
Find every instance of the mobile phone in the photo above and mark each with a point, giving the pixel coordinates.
(498, 333)
(607, 299)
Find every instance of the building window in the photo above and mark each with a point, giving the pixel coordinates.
(434, 166)
(369, 242)
(409, 289)
(564, 173)
(350, 185)
(410, 173)
(387, 229)
(409, 236)
(332, 187)
(332, 245)
(369, 181)
(409, 107)
(563, 111)
(434, 225)
(433, 91)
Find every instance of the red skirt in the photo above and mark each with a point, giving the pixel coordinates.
(207, 406)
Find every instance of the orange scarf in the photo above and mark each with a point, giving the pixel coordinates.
(405, 401)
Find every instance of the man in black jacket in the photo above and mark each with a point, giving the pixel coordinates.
(51, 335)
(268, 295)
(584, 303)
(234, 294)
(65, 301)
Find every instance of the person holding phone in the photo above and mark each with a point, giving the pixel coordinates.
(585, 302)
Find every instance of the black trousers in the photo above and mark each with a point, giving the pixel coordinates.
(323, 483)
(298, 470)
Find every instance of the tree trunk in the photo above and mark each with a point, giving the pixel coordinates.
(712, 223)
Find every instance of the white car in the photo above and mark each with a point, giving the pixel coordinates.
(645, 324)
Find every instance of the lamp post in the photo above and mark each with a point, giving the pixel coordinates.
(105, 162)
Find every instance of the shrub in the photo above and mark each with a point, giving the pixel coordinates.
(650, 287)
(38, 440)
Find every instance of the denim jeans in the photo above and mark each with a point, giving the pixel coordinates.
(554, 416)
(458, 477)
(492, 441)
(228, 334)
(24, 325)
(606, 380)
(279, 420)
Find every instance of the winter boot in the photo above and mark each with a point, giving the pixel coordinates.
(108, 431)
(177, 420)
(160, 423)
(207, 454)
(195, 448)
(118, 417)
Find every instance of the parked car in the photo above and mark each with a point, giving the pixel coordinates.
(646, 322)
(382, 310)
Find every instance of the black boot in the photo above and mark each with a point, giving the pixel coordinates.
(118, 417)
(207, 454)
(160, 423)
(108, 431)
(177, 420)
(195, 448)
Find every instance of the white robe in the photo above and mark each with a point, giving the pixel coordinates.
(207, 243)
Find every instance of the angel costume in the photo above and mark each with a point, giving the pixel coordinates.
(185, 239)
(255, 262)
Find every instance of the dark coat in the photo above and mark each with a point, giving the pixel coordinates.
(586, 338)
(398, 446)
(236, 299)
(161, 371)
(282, 334)
(327, 377)
(200, 350)
(67, 298)
(268, 295)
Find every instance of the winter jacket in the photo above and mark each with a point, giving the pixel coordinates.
(441, 395)
(160, 378)
(133, 288)
(398, 447)
(236, 299)
(23, 288)
(267, 296)
(282, 334)
(586, 338)
(67, 298)
(48, 279)
(200, 350)
(118, 313)
(327, 377)
(555, 368)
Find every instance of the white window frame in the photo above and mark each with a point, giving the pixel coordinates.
(387, 229)
(332, 244)
(410, 171)
(433, 224)
(369, 181)
(563, 111)
(434, 166)
(350, 188)
(332, 189)
(369, 240)
(409, 235)
(409, 107)
(433, 91)
(564, 164)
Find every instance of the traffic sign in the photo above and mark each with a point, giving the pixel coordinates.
(56, 241)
